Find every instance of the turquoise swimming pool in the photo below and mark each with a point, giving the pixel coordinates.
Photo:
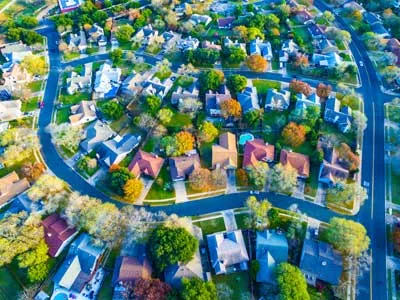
(61, 296)
(245, 137)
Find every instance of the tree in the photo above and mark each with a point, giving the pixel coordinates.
(348, 158)
(313, 113)
(291, 282)
(346, 193)
(258, 212)
(202, 57)
(359, 122)
(347, 236)
(145, 121)
(299, 86)
(153, 103)
(301, 61)
(168, 246)
(293, 135)
(32, 171)
(150, 289)
(190, 106)
(27, 22)
(233, 55)
(184, 142)
(66, 136)
(112, 110)
(118, 179)
(254, 117)
(253, 33)
(124, 33)
(165, 115)
(396, 238)
(236, 83)
(258, 174)
(199, 180)
(195, 288)
(256, 63)
(208, 132)
(271, 21)
(282, 179)
(34, 64)
(132, 189)
(116, 56)
(323, 90)
(35, 261)
(211, 80)
(218, 178)
(231, 109)
(100, 17)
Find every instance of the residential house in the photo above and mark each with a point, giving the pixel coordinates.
(325, 46)
(80, 264)
(257, 151)
(21, 203)
(320, 262)
(222, 8)
(4, 126)
(132, 85)
(82, 113)
(277, 100)
(298, 161)
(353, 6)
(14, 53)
(196, 19)
(114, 43)
(188, 43)
(329, 60)
(271, 250)
(211, 45)
(229, 43)
(248, 99)
(191, 92)
(96, 133)
(289, 49)
(57, 234)
(225, 23)
(80, 82)
(183, 166)
(77, 42)
(115, 150)
(107, 81)
(14, 78)
(10, 186)
(393, 45)
(95, 33)
(332, 169)
(380, 31)
(302, 102)
(371, 18)
(146, 35)
(224, 154)
(258, 46)
(156, 87)
(10, 110)
(316, 31)
(68, 5)
(227, 252)
(341, 117)
(304, 16)
(170, 40)
(102, 41)
(145, 163)
(214, 100)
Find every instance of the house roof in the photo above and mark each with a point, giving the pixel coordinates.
(183, 166)
(96, 133)
(10, 110)
(225, 154)
(278, 100)
(11, 186)
(68, 5)
(320, 259)
(223, 22)
(146, 163)
(257, 150)
(298, 161)
(111, 149)
(214, 100)
(248, 99)
(56, 232)
(336, 115)
(332, 169)
(85, 110)
(129, 269)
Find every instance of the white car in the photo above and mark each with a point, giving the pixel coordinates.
(361, 64)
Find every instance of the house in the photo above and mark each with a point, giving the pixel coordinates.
(102, 41)
(211, 45)
(77, 42)
(222, 8)
(191, 92)
(183, 166)
(10, 110)
(146, 35)
(214, 99)
(132, 85)
(170, 40)
(257, 150)
(353, 6)
(80, 82)
(227, 252)
(393, 45)
(14, 53)
(107, 81)
(224, 155)
(329, 60)
(156, 87)
(115, 150)
(341, 117)
(196, 19)
(320, 262)
(188, 43)
(14, 77)
(316, 31)
(298, 161)
(95, 33)
(304, 16)
(225, 23)
(68, 5)
(325, 46)
(95, 134)
(10, 186)
(332, 170)
(258, 46)
(271, 250)
(21, 203)
(82, 113)
(57, 234)
(229, 43)
(380, 31)
(371, 18)
(302, 102)
(248, 99)
(114, 43)
(80, 264)
(289, 49)
(277, 100)
(145, 163)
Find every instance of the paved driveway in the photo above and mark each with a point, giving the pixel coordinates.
(180, 191)
(321, 194)
(299, 189)
(231, 181)
(229, 220)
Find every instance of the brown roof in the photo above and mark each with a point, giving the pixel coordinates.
(298, 161)
(57, 232)
(11, 186)
(130, 269)
(18, 73)
(257, 150)
(183, 166)
(83, 110)
(146, 163)
(222, 22)
(225, 154)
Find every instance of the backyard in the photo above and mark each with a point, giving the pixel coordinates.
(238, 282)
(264, 85)
(9, 288)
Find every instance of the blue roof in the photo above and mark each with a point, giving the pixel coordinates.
(113, 92)
(68, 4)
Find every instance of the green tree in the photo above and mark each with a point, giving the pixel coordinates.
(233, 55)
(253, 117)
(124, 33)
(165, 115)
(100, 17)
(118, 179)
(112, 110)
(36, 262)
(258, 174)
(168, 246)
(236, 83)
(208, 132)
(347, 194)
(195, 288)
(283, 179)
(258, 212)
(116, 56)
(211, 80)
(27, 21)
(153, 103)
(291, 282)
(38, 272)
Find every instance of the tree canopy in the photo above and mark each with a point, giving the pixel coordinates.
(195, 288)
(291, 282)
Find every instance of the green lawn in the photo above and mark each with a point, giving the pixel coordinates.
(73, 99)
(162, 75)
(179, 121)
(159, 189)
(92, 50)
(242, 220)
(35, 86)
(238, 282)
(263, 85)
(216, 32)
(71, 55)
(62, 115)
(9, 288)
(206, 154)
(151, 144)
(30, 105)
(106, 290)
(312, 185)
(211, 225)
(120, 124)
(395, 188)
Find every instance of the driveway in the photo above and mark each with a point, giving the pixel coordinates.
(231, 181)
(229, 220)
(299, 189)
(180, 191)
(321, 194)
(147, 183)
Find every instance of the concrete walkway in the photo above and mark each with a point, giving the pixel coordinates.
(147, 183)
(229, 220)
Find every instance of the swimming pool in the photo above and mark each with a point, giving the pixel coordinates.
(245, 137)
(61, 296)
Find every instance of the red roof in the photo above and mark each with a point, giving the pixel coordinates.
(394, 46)
(57, 232)
(223, 22)
(298, 161)
(257, 150)
(146, 163)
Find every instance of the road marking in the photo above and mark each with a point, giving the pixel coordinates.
(373, 161)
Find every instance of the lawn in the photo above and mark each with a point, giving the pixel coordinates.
(242, 220)
(395, 188)
(106, 290)
(83, 168)
(179, 121)
(216, 32)
(162, 187)
(62, 115)
(303, 33)
(264, 85)
(151, 144)
(30, 105)
(120, 124)
(35, 86)
(238, 282)
(71, 55)
(206, 154)
(312, 184)
(162, 75)
(211, 225)
(73, 99)
(92, 50)
(9, 288)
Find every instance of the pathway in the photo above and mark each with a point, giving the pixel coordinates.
(180, 192)
(229, 220)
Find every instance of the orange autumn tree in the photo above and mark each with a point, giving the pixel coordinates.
(231, 108)
(299, 86)
(256, 63)
(348, 157)
(293, 135)
(184, 142)
(323, 90)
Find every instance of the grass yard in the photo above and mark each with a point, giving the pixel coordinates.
(35, 86)
(264, 85)
(303, 33)
(206, 154)
(30, 105)
(395, 188)
(106, 290)
(215, 32)
(73, 99)
(242, 220)
(179, 121)
(312, 186)
(120, 124)
(211, 225)
(238, 282)
(162, 75)
(25, 122)
(71, 55)
(9, 287)
(62, 115)
(151, 144)
(162, 187)
(141, 67)
(92, 50)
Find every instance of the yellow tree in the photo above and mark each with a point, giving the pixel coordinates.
(256, 63)
(184, 142)
(132, 189)
(231, 108)
(293, 135)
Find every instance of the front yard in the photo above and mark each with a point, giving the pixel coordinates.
(162, 187)
(30, 105)
(62, 115)
(239, 284)
(211, 225)
(72, 99)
